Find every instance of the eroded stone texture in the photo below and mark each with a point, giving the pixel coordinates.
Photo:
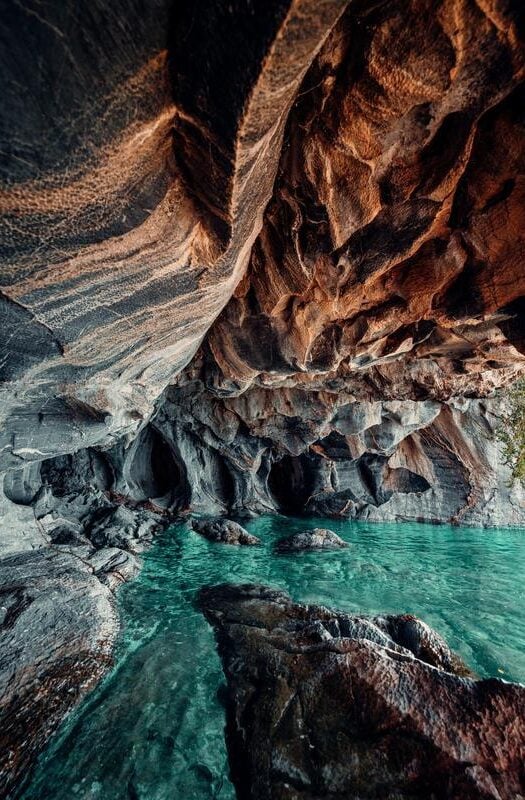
(352, 173)
(348, 176)
(325, 704)
(115, 259)
(390, 255)
(326, 453)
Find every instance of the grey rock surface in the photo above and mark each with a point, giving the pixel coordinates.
(114, 566)
(325, 454)
(225, 531)
(58, 624)
(316, 539)
(130, 529)
(321, 703)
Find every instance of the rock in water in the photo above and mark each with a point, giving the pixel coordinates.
(316, 539)
(223, 530)
(57, 627)
(325, 704)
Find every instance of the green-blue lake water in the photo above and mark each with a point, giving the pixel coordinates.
(153, 729)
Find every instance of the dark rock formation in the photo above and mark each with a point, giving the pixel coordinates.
(225, 531)
(316, 539)
(133, 189)
(325, 704)
(57, 628)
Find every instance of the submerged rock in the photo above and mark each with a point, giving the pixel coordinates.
(57, 627)
(326, 704)
(225, 531)
(316, 539)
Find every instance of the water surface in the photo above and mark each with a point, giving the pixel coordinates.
(153, 730)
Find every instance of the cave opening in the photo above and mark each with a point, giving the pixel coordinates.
(225, 483)
(154, 472)
(290, 482)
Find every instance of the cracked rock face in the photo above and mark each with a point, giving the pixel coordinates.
(325, 704)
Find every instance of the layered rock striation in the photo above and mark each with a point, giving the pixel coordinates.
(340, 183)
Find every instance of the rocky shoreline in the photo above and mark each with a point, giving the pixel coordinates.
(58, 614)
(380, 694)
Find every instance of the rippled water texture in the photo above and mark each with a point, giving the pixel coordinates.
(154, 728)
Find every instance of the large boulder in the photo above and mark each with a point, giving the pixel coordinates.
(326, 704)
(225, 531)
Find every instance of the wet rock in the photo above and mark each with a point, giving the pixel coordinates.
(114, 566)
(326, 704)
(57, 628)
(225, 531)
(126, 528)
(316, 539)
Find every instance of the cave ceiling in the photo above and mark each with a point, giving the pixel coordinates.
(326, 195)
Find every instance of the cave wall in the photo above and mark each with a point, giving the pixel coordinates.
(282, 450)
(296, 205)
(390, 257)
(327, 454)
(116, 254)
(343, 181)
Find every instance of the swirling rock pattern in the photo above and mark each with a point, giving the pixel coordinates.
(345, 180)
(117, 252)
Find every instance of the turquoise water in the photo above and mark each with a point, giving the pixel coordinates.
(154, 728)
